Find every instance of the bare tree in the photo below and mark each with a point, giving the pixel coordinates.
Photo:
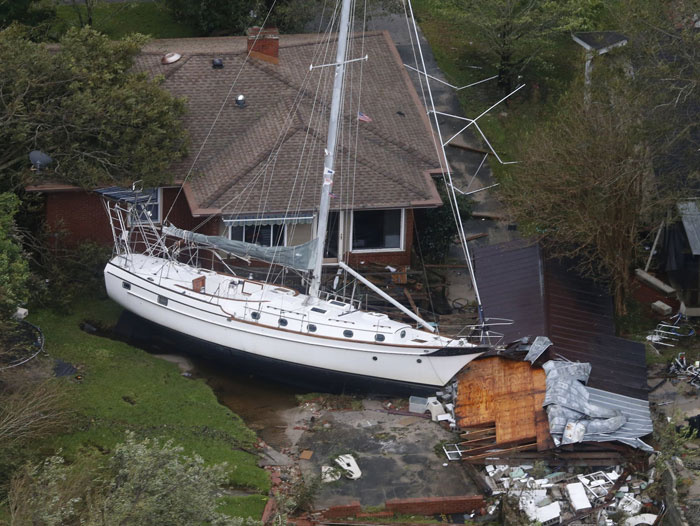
(585, 188)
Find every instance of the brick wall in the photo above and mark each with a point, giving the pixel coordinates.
(82, 216)
(419, 506)
(435, 505)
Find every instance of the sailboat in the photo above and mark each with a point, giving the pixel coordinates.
(313, 331)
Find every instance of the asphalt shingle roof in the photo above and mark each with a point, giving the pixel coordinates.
(261, 159)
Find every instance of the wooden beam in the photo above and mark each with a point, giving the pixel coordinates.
(496, 454)
(498, 448)
(410, 300)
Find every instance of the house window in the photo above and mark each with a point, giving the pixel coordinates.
(152, 209)
(264, 235)
(377, 230)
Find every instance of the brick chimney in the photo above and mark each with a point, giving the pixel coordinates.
(264, 44)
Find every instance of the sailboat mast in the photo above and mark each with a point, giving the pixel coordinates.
(328, 164)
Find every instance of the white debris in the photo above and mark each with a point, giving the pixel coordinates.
(646, 519)
(348, 464)
(630, 505)
(577, 496)
(329, 474)
(435, 407)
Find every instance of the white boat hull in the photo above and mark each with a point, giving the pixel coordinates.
(213, 322)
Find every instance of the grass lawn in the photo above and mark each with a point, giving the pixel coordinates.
(124, 388)
(119, 19)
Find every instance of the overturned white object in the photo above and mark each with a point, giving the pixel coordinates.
(646, 519)
(20, 313)
(577, 496)
(435, 407)
(349, 465)
(329, 474)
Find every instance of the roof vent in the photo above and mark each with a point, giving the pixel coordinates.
(170, 58)
(217, 63)
(240, 101)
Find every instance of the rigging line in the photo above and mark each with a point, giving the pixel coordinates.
(425, 277)
(240, 196)
(314, 141)
(303, 159)
(348, 244)
(483, 160)
(473, 121)
(216, 119)
(451, 191)
(447, 83)
(439, 153)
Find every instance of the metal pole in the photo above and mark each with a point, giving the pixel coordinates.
(386, 296)
(328, 164)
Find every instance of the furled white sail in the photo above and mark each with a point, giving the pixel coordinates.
(299, 257)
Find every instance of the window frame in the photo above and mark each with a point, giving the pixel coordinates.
(156, 221)
(402, 234)
(284, 236)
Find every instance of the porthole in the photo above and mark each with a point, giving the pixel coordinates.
(319, 310)
(126, 285)
(311, 327)
(374, 358)
(402, 334)
(283, 322)
(163, 300)
(379, 337)
(255, 315)
(347, 333)
(419, 360)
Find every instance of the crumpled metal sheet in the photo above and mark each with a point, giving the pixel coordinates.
(605, 416)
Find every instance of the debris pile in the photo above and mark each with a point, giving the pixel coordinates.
(681, 369)
(600, 498)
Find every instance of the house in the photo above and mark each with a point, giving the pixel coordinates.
(244, 177)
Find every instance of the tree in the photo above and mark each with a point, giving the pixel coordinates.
(596, 178)
(14, 269)
(30, 12)
(83, 105)
(514, 33)
(144, 483)
(229, 17)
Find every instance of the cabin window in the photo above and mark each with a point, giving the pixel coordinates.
(311, 327)
(347, 333)
(263, 235)
(126, 285)
(379, 337)
(402, 334)
(150, 210)
(255, 315)
(163, 300)
(377, 230)
(283, 322)
(316, 309)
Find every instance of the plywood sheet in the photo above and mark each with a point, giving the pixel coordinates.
(507, 392)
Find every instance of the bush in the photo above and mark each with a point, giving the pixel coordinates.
(14, 270)
(143, 482)
(436, 228)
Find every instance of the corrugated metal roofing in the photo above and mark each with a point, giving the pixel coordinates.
(690, 215)
(637, 412)
(546, 298)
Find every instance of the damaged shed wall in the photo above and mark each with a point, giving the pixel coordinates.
(546, 298)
